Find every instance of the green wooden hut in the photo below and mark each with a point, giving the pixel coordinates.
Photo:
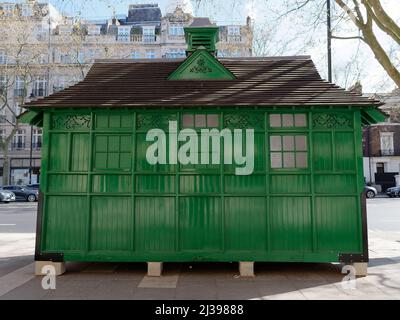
(298, 198)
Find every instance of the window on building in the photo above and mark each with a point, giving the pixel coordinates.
(94, 30)
(150, 54)
(19, 140)
(288, 120)
(176, 30)
(289, 151)
(380, 167)
(2, 135)
(80, 56)
(37, 139)
(200, 121)
(27, 10)
(19, 87)
(387, 145)
(124, 33)
(135, 55)
(65, 58)
(8, 9)
(3, 85)
(39, 87)
(234, 30)
(149, 34)
(3, 115)
(176, 54)
(3, 57)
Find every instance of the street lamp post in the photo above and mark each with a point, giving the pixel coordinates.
(329, 38)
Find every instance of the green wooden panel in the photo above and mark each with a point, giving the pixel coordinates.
(113, 152)
(245, 224)
(290, 183)
(245, 184)
(142, 165)
(112, 183)
(79, 152)
(155, 184)
(335, 184)
(290, 224)
(345, 153)
(200, 184)
(322, 151)
(111, 224)
(155, 227)
(67, 183)
(114, 121)
(59, 152)
(200, 223)
(65, 223)
(336, 224)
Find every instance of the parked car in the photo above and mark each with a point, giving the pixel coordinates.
(6, 196)
(393, 192)
(371, 192)
(23, 193)
(34, 186)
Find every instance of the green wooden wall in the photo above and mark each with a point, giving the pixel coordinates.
(104, 202)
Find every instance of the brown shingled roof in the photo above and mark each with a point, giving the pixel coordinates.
(278, 81)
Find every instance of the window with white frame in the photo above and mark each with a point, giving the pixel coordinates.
(19, 87)
(176, 53)
(234, 30)
(37, 139)
(19, 140)
(124, 33)
(39, 87)
(80, 56)
(2, 135)
(3, 57)
(150, 54)
(176, 30)
(27, 10)
(387, 144)
(3, 115)
(135, 55)
(149, 34)
(3, 85)
(8, 9)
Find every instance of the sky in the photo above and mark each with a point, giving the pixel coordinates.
(292, 34)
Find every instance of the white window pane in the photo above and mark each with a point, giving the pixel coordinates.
(301, 143)
(287, 120)
(275, 121)
(276, 143)
(301, 160)
(188, 121)
(212, 120)
(276, 160)
(201, 121)
(300, 120)
(288, 143)
(288, 160)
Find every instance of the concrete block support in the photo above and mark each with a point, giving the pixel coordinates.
(154, 269)
(43, 268)
(246, 269)
(361, 268)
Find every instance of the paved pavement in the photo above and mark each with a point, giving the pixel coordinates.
(200, 280)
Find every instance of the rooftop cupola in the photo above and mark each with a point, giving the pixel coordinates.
(201, 33)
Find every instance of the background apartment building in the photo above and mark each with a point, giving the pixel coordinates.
(42, 52)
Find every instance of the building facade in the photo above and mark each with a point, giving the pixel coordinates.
(382, 146)
(43, 52)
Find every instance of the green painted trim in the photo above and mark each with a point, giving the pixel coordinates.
(201, 65)
(34, 118)
(372, 116)
(209, 35)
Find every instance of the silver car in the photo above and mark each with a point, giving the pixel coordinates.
(7, 196)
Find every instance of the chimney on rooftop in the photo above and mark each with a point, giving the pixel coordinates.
(201, 33)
